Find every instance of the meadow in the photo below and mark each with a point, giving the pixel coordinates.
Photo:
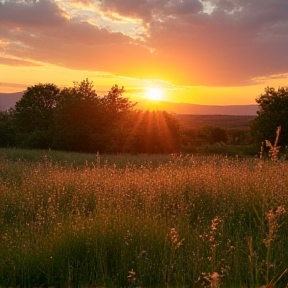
(83, 220)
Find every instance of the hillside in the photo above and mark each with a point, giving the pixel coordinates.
(8, 100)
(196, 109)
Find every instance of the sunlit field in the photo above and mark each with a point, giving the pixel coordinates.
(76, 220)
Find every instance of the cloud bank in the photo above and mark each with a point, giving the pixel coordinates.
(186, 42)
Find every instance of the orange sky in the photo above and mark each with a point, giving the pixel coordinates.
(218, 52)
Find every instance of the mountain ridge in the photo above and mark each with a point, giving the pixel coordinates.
(8, 100)
(198, 109)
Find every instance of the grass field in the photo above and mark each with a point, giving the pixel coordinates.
(76, 220)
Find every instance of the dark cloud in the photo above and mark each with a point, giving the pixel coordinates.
(38, 14)
(148, 10)
(226, 47)
(135, 9)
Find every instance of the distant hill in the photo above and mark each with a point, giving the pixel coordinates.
(195, 109)
(8, 100)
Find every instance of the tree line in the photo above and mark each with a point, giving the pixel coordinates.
(270, 124)
(78, 119)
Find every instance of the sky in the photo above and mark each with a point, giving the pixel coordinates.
(211, 52)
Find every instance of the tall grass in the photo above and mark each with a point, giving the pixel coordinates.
(171, 221)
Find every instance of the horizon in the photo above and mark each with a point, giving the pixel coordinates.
(150, 101)
(148, 47)
(179, 108)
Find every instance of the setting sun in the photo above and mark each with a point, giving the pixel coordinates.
(154, 94)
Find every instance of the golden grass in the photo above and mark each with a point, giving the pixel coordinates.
(170, 223)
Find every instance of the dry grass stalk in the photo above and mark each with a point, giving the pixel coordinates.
(274, 149)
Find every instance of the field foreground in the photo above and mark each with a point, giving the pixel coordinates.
(129, 221)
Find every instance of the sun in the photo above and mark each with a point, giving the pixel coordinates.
(154, 94)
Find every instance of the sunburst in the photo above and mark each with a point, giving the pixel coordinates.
(154, 94)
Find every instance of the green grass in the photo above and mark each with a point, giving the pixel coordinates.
(223, 149)
(87, 220)
(80, 160)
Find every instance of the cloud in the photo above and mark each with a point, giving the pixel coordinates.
(186, 42)
(226, 48)
(17, 62)
(72, 44)
(135, 9)
(14, 85)
(39, 14)
(79, 46)
(270, 77)
(149, 10)
(10, 99)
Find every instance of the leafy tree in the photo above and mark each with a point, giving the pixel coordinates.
(76, 118)
(79, 119)
(33, 115)
(116, 103)
(215, 134)
(273, 113)
(239, 137)
(118, 118)
(87, 122)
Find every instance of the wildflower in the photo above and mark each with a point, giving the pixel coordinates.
(215, 279)
(280, 210)
(131, 279)
(174, 236)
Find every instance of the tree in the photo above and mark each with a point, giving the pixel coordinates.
(86, 122)
(214, 134)
(7, 133)
(116, 103)
(118, 118)
(33, 115)
(78, 119)
(273, 112)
